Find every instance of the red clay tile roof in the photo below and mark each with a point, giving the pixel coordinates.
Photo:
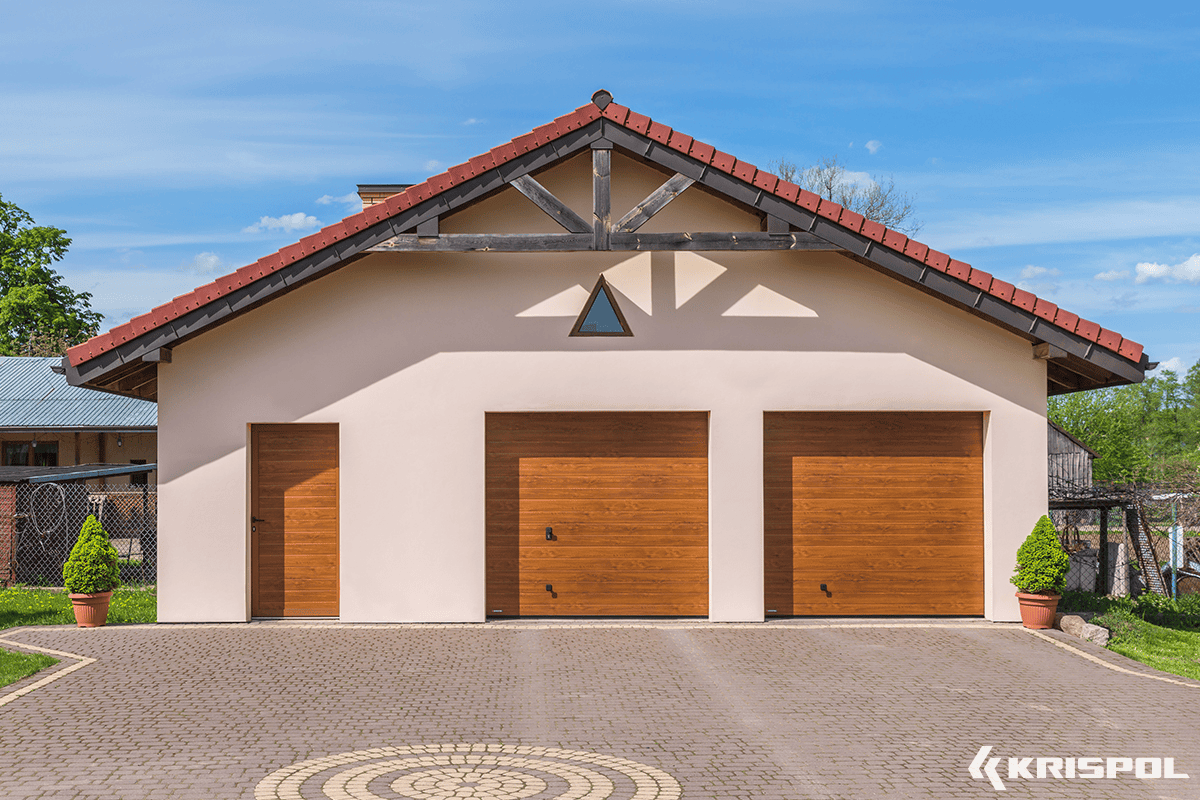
(640, 124)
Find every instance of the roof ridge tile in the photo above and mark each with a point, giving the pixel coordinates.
(616, 112)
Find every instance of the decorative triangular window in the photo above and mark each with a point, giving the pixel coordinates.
(601, 316)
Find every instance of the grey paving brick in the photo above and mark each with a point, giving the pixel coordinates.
(771, 711)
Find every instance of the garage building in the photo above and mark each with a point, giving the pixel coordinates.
(601, 370)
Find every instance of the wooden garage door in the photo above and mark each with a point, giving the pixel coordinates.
(294, 525)
(626, 498)
(885, 509)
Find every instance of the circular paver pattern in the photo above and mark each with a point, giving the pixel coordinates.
(469, 772)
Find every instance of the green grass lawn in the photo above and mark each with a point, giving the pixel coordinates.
(14, 666)
(1174, 650)
(40, 607)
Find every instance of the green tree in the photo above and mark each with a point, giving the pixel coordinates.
(39, 313)
(1109, 422)
(1148, 431)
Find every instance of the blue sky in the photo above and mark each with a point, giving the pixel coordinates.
(1052, 144)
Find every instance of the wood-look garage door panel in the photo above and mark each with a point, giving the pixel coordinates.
(294, 491)
(626, 494)
(885, 509)
(877, 535)
(877, 434)
(647, 433)
(893, 554)
(634, 606)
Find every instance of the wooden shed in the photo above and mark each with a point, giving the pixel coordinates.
(1068, 460)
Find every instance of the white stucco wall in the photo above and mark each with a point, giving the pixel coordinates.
(407, 354)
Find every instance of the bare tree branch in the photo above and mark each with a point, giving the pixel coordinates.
(875, 199)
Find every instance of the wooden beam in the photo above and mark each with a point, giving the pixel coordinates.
(161, 355)
(135, 383)
(485, 242)
(601, 197)
(654, 203)
(565, 242)
(559, 211)
(1044, 351)
(749, 240)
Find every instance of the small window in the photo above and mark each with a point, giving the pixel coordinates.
(139, 478)
(45, 454)
(16, 454)
(31, 454)
(601, 316)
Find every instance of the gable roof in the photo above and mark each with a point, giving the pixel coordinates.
(33, 397)
(1080, 354)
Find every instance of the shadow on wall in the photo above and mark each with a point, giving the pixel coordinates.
(388, 312)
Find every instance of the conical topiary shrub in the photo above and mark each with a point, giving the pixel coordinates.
(91, 573)
(1040, 575)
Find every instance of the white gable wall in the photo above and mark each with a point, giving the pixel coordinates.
(408, 352)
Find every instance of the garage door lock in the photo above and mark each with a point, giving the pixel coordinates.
(825, 589)
(549, 534)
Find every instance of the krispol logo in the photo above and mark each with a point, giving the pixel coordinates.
(1039, 768)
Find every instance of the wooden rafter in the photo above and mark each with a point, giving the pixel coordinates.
(654, 203)
(559, 211)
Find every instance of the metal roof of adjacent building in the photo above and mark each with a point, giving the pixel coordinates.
(75, 474)
(33, 396)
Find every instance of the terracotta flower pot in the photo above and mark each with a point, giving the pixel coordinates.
(1037, 610)
(91, 610)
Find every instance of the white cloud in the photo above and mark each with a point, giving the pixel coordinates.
(352, 201)
(207, 264)
(1112, 275)
(1030, 272)
(874, 146)
(471, 121)
(1188, 271)
(432, 164)
(288, 223)
(1174, 364)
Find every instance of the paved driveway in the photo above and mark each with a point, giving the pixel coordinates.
(783, 709)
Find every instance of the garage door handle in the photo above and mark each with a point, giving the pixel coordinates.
(256, 519)
(549, 534)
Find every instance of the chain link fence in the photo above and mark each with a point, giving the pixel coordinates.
(1150, 541)
(48, 518)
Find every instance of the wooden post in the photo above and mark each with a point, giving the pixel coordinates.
(601, 194)
(8, 534)
(100, 453)
(1102, 568)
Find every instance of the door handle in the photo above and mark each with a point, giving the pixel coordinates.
(256, 519)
